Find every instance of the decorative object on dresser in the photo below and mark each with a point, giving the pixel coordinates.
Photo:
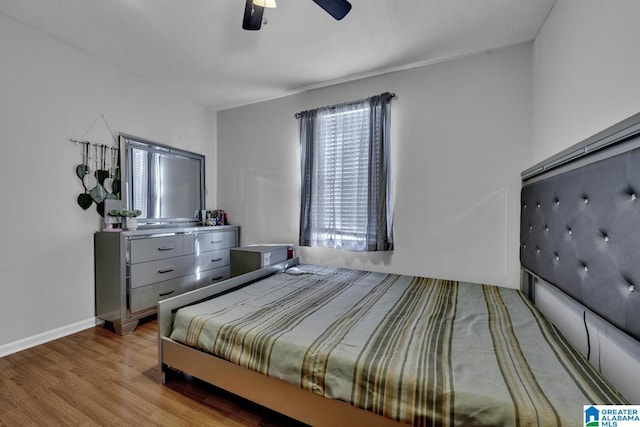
(136, 269)
(112, 221)
(129, 218)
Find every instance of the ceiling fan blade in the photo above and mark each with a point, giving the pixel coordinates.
(336, 8)
(252, 16)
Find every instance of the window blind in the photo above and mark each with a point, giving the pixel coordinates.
(342, 172)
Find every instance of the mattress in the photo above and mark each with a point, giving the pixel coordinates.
(418, 350)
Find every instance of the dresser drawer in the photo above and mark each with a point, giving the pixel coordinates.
(146, 297)
(210, 277)
(153, 248)
(212, 259)
(215, 240)
(157, 271)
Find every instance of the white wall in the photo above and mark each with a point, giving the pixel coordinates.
(50, 92)
(585, 72)
(460, 138)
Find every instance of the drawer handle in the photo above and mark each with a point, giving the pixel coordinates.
(216, 259)
(164, 294)
(165, 248)
(215, 242)
(213, 279)
(166, 270)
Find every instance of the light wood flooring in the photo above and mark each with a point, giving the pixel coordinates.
(96, 377)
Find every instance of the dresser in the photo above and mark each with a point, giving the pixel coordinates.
(136, 269)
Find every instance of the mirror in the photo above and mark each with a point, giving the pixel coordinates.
(165, 183)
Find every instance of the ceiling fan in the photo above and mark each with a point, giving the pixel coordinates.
(254, 9)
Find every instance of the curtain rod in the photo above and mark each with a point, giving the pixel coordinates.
(298, 115)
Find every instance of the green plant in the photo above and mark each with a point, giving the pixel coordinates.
(125, 213)
(130, 214)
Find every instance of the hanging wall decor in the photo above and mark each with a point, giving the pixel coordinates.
(99, 172)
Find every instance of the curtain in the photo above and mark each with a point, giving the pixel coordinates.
(345, 176)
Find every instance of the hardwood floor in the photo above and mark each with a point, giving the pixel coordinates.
(96, 377)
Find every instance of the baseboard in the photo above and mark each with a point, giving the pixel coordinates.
(32, 341)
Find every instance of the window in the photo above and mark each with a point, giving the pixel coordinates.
(345, 176)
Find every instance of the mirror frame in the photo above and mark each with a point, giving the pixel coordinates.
(127, 143)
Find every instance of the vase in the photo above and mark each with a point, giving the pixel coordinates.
(132, 223)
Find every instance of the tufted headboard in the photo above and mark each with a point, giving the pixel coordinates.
(580, 223)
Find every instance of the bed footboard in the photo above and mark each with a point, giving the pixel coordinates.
(269, 392)
(167, 307)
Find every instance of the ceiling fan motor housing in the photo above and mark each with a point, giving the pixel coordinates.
(253, 13)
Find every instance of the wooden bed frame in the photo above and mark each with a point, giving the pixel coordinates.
(271, 393)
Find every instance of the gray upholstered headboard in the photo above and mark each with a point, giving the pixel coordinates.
(580, 223)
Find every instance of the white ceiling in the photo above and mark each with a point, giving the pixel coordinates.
(198, 48)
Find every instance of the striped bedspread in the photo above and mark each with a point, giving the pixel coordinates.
(418, 350)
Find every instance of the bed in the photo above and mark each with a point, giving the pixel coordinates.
(411, 349)
(335, 346)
